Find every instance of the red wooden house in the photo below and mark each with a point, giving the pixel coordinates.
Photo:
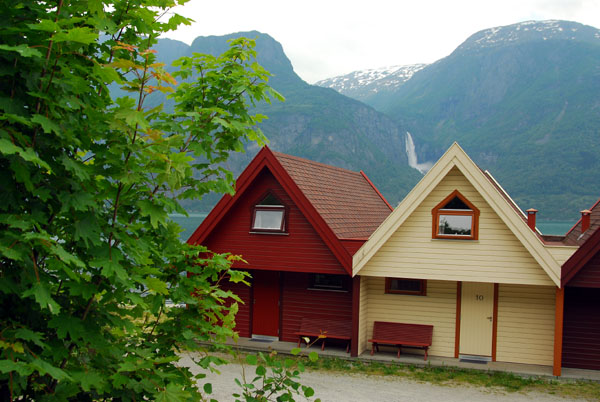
(297, 223)
(581, 279)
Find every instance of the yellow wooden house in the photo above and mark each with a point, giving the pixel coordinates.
(457, 253)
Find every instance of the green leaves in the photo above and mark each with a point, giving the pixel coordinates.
(28, 154)
(82, 35)
(42, 296)
(88, 253)
(23, 50)
(251, 359)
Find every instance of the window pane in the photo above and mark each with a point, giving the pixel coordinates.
(322, 281)
(459, 225)
(406, 285)
(271, 220)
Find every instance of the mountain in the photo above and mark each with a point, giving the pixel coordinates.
(524, 102)
(313, 122)
(370, 86)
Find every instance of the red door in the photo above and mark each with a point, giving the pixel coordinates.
(265, 314)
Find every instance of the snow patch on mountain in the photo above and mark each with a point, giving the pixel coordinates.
(371, 80)
(529, 31)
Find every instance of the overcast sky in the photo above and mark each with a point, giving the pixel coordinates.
(329, 37)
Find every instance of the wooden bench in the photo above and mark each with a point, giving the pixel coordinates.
(399, 334)
(324, 329)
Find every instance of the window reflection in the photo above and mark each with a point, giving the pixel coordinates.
(459, 225)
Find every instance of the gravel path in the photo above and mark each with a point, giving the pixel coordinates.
(334, 387)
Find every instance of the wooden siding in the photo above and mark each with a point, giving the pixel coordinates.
(438, 308)
(581, 336)
(497, 257)
(242, 318)
(561, 253)
(297, 302)
(589, 275)
(525, 324)
(363, 315)
(300, 250)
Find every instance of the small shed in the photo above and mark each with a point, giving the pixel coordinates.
(297, 223)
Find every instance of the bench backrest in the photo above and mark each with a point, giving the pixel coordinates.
(407, 332)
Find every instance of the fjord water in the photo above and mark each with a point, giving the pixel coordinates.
(188, 223)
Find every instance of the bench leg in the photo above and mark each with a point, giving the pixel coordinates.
(373, 348)
(348, 347)
(323, 345)
(426, 347)
(399, 349)
(299, 340)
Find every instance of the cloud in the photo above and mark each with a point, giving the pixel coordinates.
(328, 38)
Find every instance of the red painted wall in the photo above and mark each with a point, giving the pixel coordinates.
(301, 250)
(581, 330)
(242, 319)
(298, 302)
(589, 276)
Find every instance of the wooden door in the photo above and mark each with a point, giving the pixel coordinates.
(476, 318)
(265, 309)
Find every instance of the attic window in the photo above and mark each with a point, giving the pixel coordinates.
(455, 218)
(268, 215)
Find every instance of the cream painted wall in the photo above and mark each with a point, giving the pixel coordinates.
(497, 257)
(438, 308)
(526, 324)
(561, 253)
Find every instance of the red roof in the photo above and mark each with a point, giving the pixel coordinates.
(575, 237)
(349, 203)
(339, 204)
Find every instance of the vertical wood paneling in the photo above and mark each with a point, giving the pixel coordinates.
(299, 250)
(526, 324)
(581, 334)
(498, 256)
(438, 308)
(300, 302)
(242, 318)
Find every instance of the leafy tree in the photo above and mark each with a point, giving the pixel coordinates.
(88, 254)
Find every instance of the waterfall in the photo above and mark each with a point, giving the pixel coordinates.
(412, 156)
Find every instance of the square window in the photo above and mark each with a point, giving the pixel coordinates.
(328, 282)
(268, 219)
(268, 215)
(455, 218)
(458, 225)
(403, 286)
